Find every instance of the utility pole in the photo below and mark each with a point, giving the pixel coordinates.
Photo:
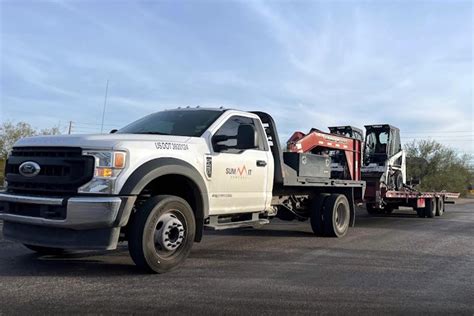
(70, 128)
(105, 103)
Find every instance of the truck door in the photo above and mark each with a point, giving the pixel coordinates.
(239, 167)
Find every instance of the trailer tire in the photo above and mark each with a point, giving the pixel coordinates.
(430, 208)
(45, 250)
(316, 214)
(439, 206)
(336, 215)
(149, 242)
(371, 209)
(388, 210)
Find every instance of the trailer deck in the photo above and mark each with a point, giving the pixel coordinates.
(420, 195)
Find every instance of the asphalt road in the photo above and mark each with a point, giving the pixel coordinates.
(396, 264)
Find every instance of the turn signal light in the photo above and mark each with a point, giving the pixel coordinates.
(119, 160)
(104, 172)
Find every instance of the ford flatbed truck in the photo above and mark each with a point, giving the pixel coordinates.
(158, 182)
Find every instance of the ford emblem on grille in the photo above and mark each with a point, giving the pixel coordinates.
(29, 169)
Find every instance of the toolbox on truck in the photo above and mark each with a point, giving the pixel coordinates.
(309, 165)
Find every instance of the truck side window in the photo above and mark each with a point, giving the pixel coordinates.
(227, 138)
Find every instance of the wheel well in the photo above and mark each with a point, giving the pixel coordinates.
(178, 185)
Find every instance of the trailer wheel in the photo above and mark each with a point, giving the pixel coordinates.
(430, 208)
(161, 233)
(336, 215)
(440, 206)
(316, 214)
(371, 209)
(388, 210)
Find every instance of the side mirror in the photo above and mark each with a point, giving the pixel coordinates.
(220, 138)
(113, 131)
(246, 137)
(217, 139)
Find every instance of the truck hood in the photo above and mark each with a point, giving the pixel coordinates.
(96, 141)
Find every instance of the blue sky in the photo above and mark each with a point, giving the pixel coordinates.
(309, 63)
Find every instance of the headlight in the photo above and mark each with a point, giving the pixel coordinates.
(107, 166)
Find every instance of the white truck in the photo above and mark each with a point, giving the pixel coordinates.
(158, 182)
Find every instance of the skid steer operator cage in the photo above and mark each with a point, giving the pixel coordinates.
(381, 143)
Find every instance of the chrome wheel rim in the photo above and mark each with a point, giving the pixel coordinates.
(169, 234)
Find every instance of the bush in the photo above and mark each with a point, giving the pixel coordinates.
(438, 167)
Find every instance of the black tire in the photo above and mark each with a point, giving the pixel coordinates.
(336, 215)
(430, 208)
(439, 206)
(147, 240)
(371, 209)
(420, 212)
(45, 250)
(316, 214)
(398, 181)
(388, 210)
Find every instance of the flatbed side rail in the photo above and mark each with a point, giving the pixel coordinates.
(426, 195)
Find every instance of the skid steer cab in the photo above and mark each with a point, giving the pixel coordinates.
(384, 159)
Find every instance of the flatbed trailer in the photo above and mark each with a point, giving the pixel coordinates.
(426, 204)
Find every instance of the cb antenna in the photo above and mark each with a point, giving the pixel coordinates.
(105, 103)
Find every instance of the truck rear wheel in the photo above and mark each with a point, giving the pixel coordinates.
(430, 208)
(439, 206)
(316, 215)
(161, 233)
(45, 250)
(336, 215)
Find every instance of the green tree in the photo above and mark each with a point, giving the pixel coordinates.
(438, 167)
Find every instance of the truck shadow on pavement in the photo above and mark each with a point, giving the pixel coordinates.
(260, 232)
(85, 264)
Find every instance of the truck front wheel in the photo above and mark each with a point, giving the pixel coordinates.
(161, 233)
(336, 215)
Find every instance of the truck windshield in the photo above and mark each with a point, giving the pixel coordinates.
(179, 122)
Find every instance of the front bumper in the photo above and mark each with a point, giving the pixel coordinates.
(76, 222)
